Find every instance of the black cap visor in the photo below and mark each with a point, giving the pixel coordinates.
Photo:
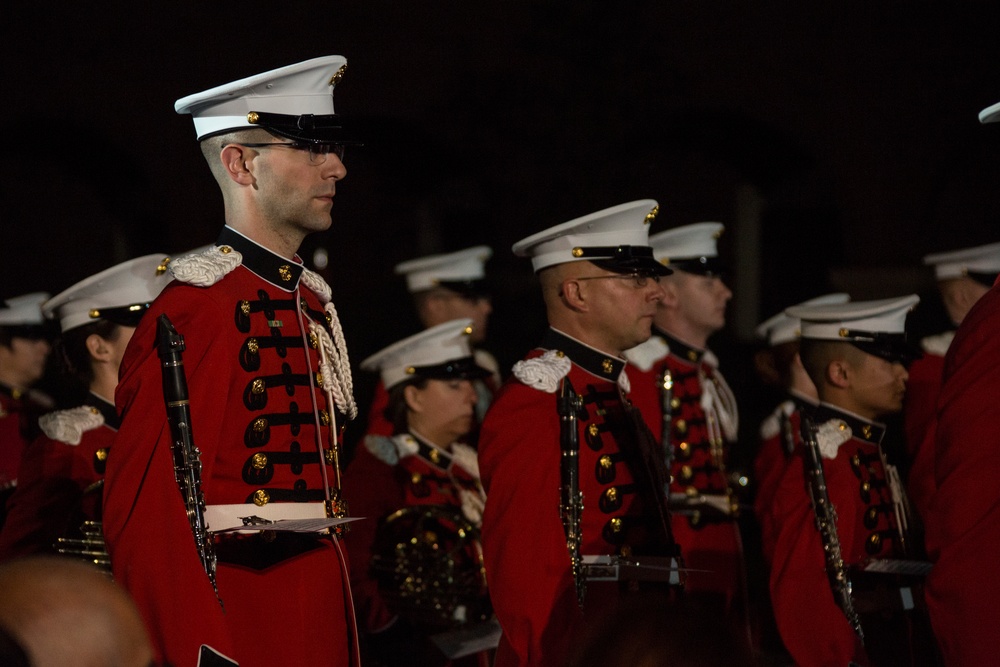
(311, 128)
(126, 316)
(470, 289)
(625, 259)
(892, 347)
(464, 368)
(702, 266)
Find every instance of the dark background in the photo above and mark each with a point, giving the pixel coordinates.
(838, 142)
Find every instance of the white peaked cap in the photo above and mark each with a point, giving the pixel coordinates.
(687, 242)
(132, 285)
(990, 114)
(959, 263)
(463, 266)
(294, 90)
(25, 310)
(781, 328)
(833, 321)
(432, 347)
(622, 225)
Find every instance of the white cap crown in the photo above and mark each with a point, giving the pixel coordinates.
(781, 328)
(131, 285)
(301, 89)
(622, 225)
(838, 321)
(432, 347)
(463, 266)
(24, 310)
(959, 263)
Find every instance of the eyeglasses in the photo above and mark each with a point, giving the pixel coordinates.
(639, 279)
(317, 152)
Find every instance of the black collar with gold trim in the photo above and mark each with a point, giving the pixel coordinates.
(680, 349)
(861, 428)
(280, 272)
(433, 455)
(106, 409)
(593, 361)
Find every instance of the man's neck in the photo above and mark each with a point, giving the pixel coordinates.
(285, 244)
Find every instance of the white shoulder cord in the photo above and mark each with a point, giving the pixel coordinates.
(334, 362)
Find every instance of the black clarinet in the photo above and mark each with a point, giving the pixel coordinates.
(826, 523)
(571, 498)
(187, 457)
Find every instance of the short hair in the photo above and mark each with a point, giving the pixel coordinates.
(212, 146)
(817, 355)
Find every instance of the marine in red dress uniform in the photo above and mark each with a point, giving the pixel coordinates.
(416, 560)
(267, 373)
(447, 287)
(702, 412)
(872, 521)
(597, 276)
(963, 277)
(778, 364)
(61, 477)
(252, 336)
(59, 486)
(963, 521)
(24, 347)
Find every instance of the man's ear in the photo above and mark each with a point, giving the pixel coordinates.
(838, 373)
(574, 294)
(235, 159)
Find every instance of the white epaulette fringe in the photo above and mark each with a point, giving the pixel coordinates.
(544, 372)
(69, 425)
(830, 435)
(206, 268)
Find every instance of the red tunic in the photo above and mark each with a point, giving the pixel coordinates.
(527, 561)
(814, 629)
(58, 486)
(709, 542)
(263, 427)
(919, 419)
(779, 435)
(389, 474)
(963, 521)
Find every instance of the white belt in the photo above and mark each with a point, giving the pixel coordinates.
(227, 517)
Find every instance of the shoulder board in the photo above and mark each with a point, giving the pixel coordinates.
(206, 268)
(391, 450)
(68, 426)
(320, 288)
(645, 355)
(543, 372)
(938, 345)
(830, 435)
